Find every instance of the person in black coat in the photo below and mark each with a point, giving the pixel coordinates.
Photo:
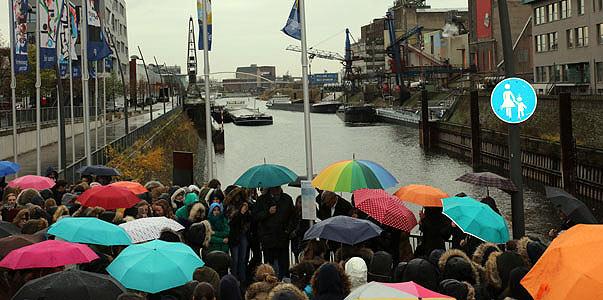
(238, 239)
(275, 216)
(436, 231)
(333, 205)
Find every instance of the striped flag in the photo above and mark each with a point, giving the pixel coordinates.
(293, 26)
(200, 10)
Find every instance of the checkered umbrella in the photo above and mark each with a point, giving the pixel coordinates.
(385, 208)
(488, 179)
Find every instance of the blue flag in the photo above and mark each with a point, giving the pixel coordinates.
(201, 9)
(98, 48)
(293, 26)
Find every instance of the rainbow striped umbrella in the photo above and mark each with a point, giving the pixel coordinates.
(351, 175)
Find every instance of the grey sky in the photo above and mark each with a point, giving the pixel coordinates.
(247, 31)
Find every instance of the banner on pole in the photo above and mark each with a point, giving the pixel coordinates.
(293, 26)
(200, 10)
(19, 30)
(50, 16)
(308, 194)
(98, 48)
(76, 70)
(66, 38)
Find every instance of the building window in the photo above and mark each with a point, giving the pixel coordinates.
(580, 7)
(582, 36)
(540, 13)
(566, 9)
(540, 74)
(600, 32)
(578, 73)
(600, 71)
(570, 38)
(553, 41)
(553, 10)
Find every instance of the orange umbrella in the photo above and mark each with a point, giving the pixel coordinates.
(131, 186)
(423, 195)
(571, 266)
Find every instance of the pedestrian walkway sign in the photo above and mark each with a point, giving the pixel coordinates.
(513, 100)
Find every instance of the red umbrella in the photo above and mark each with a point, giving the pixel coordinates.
(48, 254)
(32, 182)
(133, 187)
(385, 208)
(108, 197)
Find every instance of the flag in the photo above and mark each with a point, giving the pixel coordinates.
(293, 26)
(50, 16)
(76, 70)
(98, 48)
(19, 31)
(75, 24)
(68, 39)
(200, 11)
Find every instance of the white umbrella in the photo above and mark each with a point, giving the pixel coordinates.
(146, 229)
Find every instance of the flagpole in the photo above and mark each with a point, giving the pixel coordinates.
(71, 88)
(85, 78)
(104, 102)
(38, 94)
(208, 136)
(13, 82)
(96, 105)
(304, 58)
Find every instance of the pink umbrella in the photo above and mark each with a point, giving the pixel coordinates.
(32, 182)
(48, 254)
(385, 208)
(416, 290)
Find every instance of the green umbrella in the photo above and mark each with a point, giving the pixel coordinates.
(476, 219)
(266, 176)
(155, 266)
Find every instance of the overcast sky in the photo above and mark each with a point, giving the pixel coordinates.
(247, 31)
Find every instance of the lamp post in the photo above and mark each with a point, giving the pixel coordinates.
(135, 57)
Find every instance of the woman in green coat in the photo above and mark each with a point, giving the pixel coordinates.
(220, 227)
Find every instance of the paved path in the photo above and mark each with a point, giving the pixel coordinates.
(115, 130)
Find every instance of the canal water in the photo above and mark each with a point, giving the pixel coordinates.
(395, 147)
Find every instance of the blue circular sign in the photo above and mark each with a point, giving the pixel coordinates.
(513, 100)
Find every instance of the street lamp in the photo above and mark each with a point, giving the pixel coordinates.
(135, 58)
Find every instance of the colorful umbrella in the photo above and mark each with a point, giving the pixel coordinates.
(48, 254)
(476, 219)
(146, 229)
(98, 170)
(89, 231)
(422, 195)
(351, 175)
(8, 168)
(265, 176)
(385, 208)
(108, 197)
(344, 230)
(155, 266)
(32, 182)
(571, 266)
(488, 179)
(71, 285)
(8, 229)
(131, 186)
(10, 243)
(394, 291)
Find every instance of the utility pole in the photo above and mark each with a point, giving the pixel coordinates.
(148, 84)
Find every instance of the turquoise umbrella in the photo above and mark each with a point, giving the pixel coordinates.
(265, 176)
(476, 219)
(89, 231)
(155, 266)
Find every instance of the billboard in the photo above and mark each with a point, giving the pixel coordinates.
(483, 21)
(324, 78)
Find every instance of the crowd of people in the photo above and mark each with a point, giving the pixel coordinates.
(253, 247)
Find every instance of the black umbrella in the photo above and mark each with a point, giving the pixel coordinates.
(573, 208)
(71, 284)
(488, 179)
(98, 170)
(346, 230)
(8, 229)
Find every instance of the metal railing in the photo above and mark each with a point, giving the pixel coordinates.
(100, 157)
(48, 115)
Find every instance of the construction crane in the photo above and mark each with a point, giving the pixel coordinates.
(314, 53)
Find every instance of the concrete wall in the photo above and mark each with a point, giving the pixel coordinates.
(27, 139)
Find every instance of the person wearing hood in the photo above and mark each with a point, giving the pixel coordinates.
(480, 258)
(219, 224)
(210, 276)
(26, 196)
(455, 264)
(380, 268)
(230, 288)
(530, 250)
(457, 289)
(286, 291)
(182, 213)
(515, 290)
(498, 270)
(422, 272)
(219, 261)
(198, 235)
(177, 198)
(357, 272)
(330, 282)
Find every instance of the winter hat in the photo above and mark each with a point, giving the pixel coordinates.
(434, 256)
(229, 288)
(422, 272)
(499, 266)
(455, 264)
(218, 261)
(211, 209)
(515, 289)
(458, 290)
(209, 275)
(380, 268)
(357, 271)
(530, 250)
(482, 253)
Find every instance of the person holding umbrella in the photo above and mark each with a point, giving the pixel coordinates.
(274, 213)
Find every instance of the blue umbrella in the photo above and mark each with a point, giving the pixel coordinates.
(155, 266)
(265, 176)
(98, 170)
(343, 229)
(8, 168)
(89, 231)
(476, 219)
